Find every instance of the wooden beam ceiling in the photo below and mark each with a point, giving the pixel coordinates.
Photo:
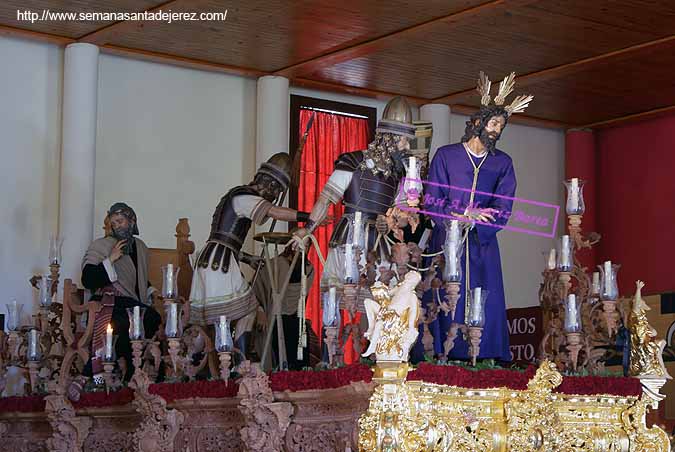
(359, 49)
(368, 47)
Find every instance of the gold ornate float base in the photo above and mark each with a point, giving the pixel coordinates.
(417, 416)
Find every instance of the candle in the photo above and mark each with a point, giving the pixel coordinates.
(173, 320)
(349, 262)
(551, 259)
(222, 326)
(169, 282)
(13, 314)
(357, 228)
(452, 258)
(608, 277)
(476, 311)
(137, 323)
(596, 283)
(571, 314)
(454, 230)
(574, 194)
(565, 253)
(33, 345)
(332, 297)
(108, 343)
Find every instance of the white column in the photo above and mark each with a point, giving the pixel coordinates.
(272, 124)
(439, 115)
(78, 155)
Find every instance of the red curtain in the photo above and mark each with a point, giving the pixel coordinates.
(330, 136)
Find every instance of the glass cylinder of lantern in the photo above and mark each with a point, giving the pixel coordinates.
(565, 254)
(136, 331)
(572, 314)
(609, 289)
(45, 291)
(331, 307)
(13, 315)
(224, 341)
(413, 185)
(170, 281)
(173, 326)
(356, 233)
(452, 252)
(575, 196)
(33, 352)
(351, 263)
(476, 313)
(55, 246)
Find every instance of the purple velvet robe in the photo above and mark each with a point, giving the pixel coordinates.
(451, 167)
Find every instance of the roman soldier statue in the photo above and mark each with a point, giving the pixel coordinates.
(218, 286)
(367, 183)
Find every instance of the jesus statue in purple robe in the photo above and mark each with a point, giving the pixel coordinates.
(467, 176)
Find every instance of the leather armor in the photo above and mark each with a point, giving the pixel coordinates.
(228, 231)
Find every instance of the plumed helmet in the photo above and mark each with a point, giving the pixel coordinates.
(124, 209)
(278, 167)
(397, 118)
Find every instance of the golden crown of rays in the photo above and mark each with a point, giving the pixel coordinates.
(518, 105)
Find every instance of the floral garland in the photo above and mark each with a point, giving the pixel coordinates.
(216, 389)
(301, 380)
(335, 378)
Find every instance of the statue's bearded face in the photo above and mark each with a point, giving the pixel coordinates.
(122, 228)
(492, 131)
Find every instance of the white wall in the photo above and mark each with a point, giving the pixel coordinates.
(30, 125)
(539, 159)
(170, 142)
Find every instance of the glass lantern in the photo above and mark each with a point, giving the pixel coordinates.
(136, 331)
(572, 314)
(575, 196)
(13, 315)
(170, 281)
(609, 289)
(476, 311)
(452, 252)
(33, 352)
(412, 185)
(173, 326)
(224, 341)
(45, 286)
(331, 308)
(55, 246)
(565, 254)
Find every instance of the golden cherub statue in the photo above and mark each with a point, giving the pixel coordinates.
(646, 352)
(392, 319)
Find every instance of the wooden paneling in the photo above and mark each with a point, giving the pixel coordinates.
(587, 62)
(67, 28)
(611, 90)
(446, 58)
(273, 34)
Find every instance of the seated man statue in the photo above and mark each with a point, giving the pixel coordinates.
(115, 270)
(218, 286)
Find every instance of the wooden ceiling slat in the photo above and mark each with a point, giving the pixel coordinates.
(104, 35)
(382, 42)
(34, 35)
(570, 68)
(588, 63)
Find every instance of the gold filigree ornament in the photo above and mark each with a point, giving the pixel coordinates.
(418, 416)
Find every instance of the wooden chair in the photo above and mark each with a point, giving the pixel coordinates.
(77, 333)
